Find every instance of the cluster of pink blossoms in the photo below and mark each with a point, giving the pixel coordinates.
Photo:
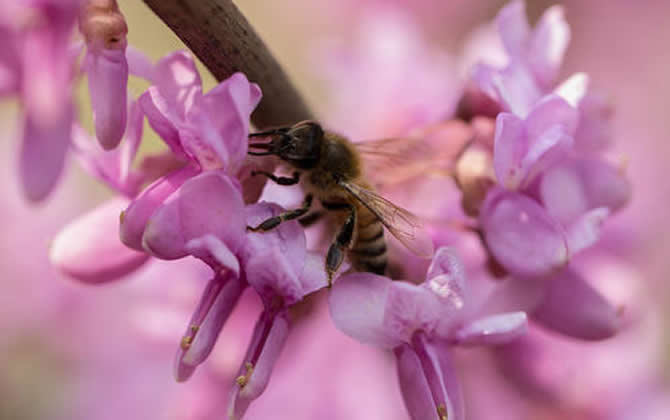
(535, 189)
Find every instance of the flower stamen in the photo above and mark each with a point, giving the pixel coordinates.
(242, 380)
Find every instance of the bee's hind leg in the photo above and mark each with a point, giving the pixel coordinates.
(343, 240)
(275, 221)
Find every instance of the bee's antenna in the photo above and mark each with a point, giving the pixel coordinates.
(260, 153)
(270, 132)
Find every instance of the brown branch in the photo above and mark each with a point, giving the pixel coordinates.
(222, 38)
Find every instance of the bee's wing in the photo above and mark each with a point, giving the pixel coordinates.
(402, 224)
(391, 160)
(432, 150)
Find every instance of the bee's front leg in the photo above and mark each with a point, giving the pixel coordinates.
(275, 221)
(281, 180)
(343, 240)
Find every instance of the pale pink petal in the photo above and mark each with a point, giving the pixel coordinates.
(547, 45)
(357, 304)
(177, 79)
(513, 28)
(89, 250)
(212, 249)
(521, 235)
(209, 203)
(107, 71)
(516, 89)
(215, 306)
(43, 151)
(573, 307)
(136, 216)
(266, 345)
(493, 330)
(574, 89)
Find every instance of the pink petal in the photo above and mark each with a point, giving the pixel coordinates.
(216, 304)
(10, 75)
(107, 72)
(313, 275)
(547, 45)
(209, 203)
(274, 260)
(220, 124)
(134, 220)
(516, 89)
(574, 89)
(410, 308)
(585, 231)
(43, 152)
(594, 131)
(177, 79)
(521, 235)
(550, 148)
(577, 186)
(210, 248)
(139, 64)
(510, 146)
(47, 71)
(266, 345)
(513, 27)
(89, 250)
(574, 308)
(493, 330)
(112, 167)
(446, 265)
(604, 184)
(357, 304)
(161, 118)
(425, 382)
(550, 111)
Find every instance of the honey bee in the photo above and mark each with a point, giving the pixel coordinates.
(330, 169)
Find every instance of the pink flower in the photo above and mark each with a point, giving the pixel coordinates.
(206, 132)
(37, 65)
(417, 321)
(104, 29)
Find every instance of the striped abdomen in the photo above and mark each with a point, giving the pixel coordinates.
(369, 251)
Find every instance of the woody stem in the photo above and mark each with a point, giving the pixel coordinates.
(221, 37)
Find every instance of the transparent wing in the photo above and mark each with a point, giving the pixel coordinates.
(402, 224)
(432, 150)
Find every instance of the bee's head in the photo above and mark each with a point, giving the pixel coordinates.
(299, 145)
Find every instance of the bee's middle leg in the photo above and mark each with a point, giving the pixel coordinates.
(343, 240)
(275, 221)
(281, 180)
